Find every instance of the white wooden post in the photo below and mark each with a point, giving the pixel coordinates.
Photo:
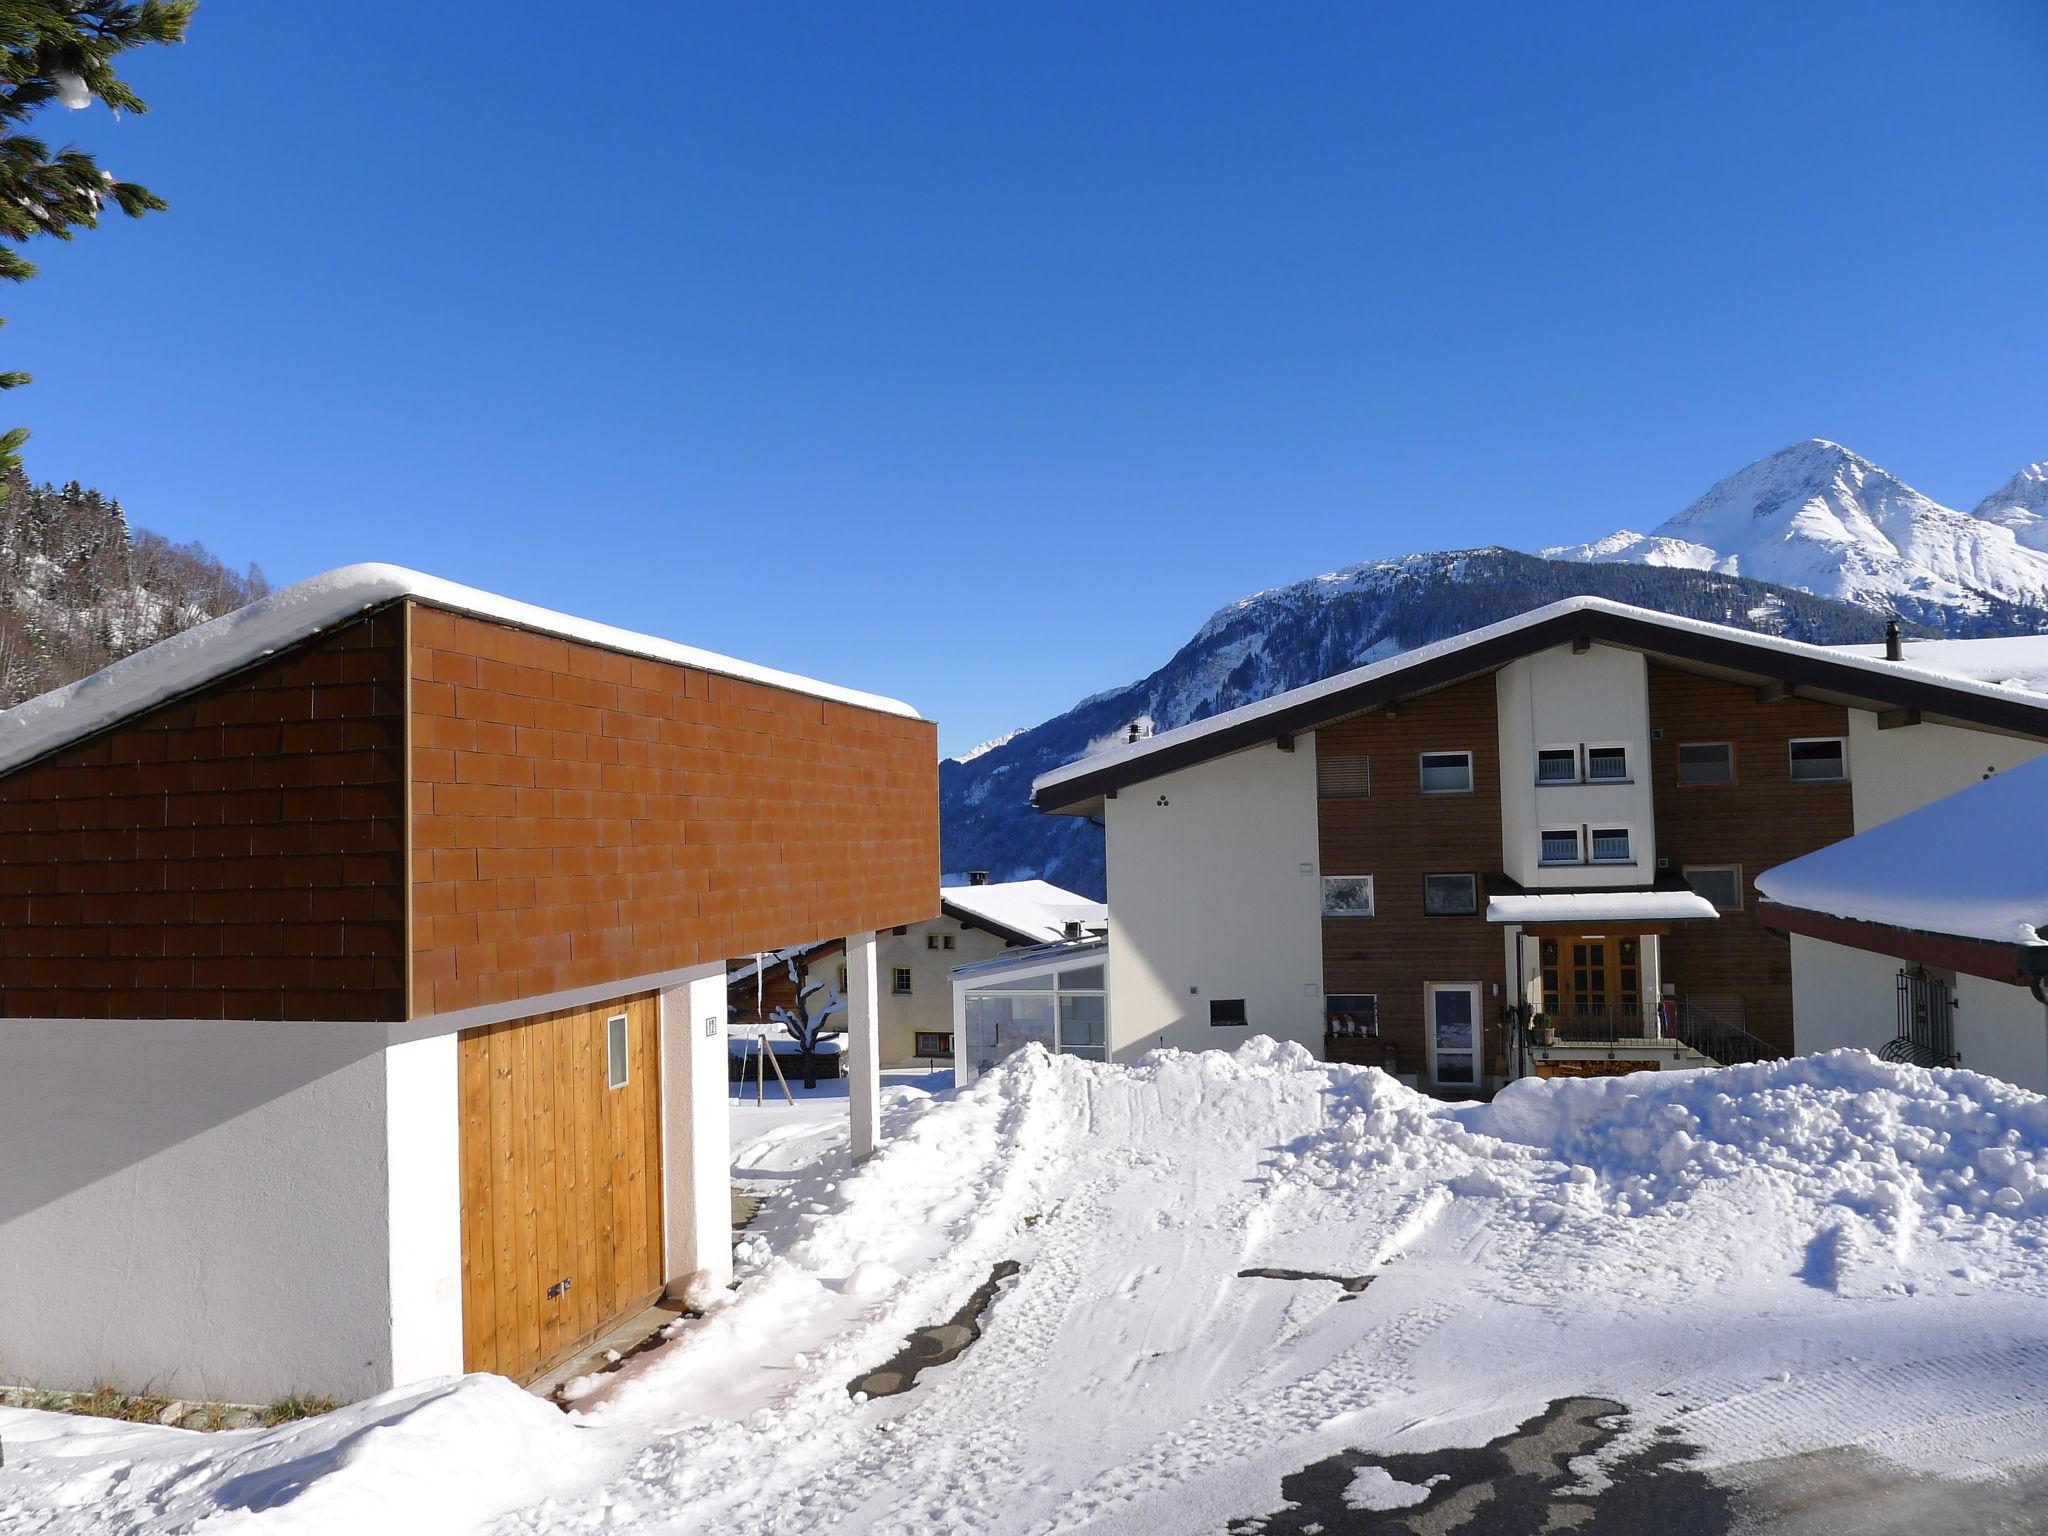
(696, 1134)
(863, 1044)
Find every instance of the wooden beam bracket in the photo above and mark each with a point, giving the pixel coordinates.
(1893, 719)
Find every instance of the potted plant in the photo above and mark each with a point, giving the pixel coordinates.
(1540, 1029)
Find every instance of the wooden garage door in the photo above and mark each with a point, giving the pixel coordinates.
(561, 1184)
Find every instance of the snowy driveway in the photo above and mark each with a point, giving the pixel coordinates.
(1590, 1305)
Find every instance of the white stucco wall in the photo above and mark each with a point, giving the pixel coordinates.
(1896, 771)
(1841, 997)
(2001, 1030)
(199, 1208)
(1216, 894)
(696, 1133)
(1849, 997)
(1557, 699)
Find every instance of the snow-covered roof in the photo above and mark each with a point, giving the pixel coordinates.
(1600, 907)
(1033, 910)
(189, 660)
(1059, 956)
(1972, 866)
(1296, 708)
(2011, 661)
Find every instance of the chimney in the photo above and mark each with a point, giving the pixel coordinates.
(1132, 733)
(1894, 646)
(1073, 928)
(977, 877)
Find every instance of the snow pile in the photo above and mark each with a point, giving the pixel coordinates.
(441, 1456)
(1230, 1267)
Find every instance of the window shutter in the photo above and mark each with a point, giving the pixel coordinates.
(1343, 775)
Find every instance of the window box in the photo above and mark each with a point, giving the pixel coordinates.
(1611, 846)
(1607, 765)
(1719, 883)
(1450, 895)
(1819, 760)
(1343, 775)
(1706, 762)
(1447, 773)
(1347, 896)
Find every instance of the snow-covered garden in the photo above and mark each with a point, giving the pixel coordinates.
(1820, 1256)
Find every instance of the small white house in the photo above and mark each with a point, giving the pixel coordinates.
(1926, 938)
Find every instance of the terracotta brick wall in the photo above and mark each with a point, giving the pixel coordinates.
(1760, 820)
(581, 816)
(235, 854)
(1397, 835)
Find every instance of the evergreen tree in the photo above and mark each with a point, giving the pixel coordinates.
(63, 51)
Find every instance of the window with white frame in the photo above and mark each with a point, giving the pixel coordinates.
(1560, 845)
(1347, 895)
(1447, 773)
(1719, 883)
(1450, 895)
(1706, 762)
(1607, 765)
(617, 1055)
(1557, 765)
(902, 981)
(1819, 760)
(1610, 845)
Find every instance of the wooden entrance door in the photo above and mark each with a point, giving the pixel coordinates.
(1593, 981)
(561, 1181)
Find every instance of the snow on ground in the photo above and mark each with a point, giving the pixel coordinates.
(773, 1139)
(1767, 1260)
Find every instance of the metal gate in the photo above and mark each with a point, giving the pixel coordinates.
(1927, 1021)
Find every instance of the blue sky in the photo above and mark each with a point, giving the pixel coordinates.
(975, 356)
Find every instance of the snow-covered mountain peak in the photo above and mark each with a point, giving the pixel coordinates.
(1820, 517)
(2021, 504)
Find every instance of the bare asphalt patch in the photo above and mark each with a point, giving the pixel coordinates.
(935, 1344)
(1521, 1484)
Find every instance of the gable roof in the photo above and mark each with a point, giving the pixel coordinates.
(1973, 865)
(199, 655)
(1815, 671)
(1022, 911)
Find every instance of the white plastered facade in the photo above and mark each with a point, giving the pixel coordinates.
(245, 1210)
(1217, 866)
(1842, 996)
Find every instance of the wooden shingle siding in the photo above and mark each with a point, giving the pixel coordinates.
(1397, 835)
(237, 853)
(581, 816)
(1760, 820)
